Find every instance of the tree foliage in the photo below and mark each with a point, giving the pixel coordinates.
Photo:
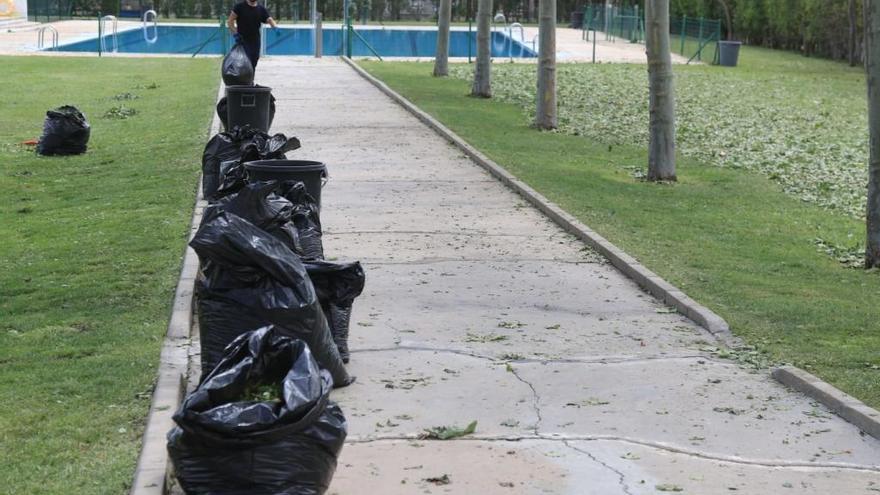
(813, 27)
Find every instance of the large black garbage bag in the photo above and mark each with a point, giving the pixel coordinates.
(337, 285)
(258, 204)
(306, 219)
(65, 132)
(237, 69)
(250, 278)
(265, 147)
(223, 147)
(226, 444)
(223, 105)
(241, 144)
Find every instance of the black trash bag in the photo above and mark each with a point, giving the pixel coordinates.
(65, 132)
(306, 219)
(223, 147)
(339, 320)
(250, 278)
(227, 444)
(233, 178)
(220, 176)
(237, 69)
(222, 107)
(265, 147)
(337, 285)
(258, 204)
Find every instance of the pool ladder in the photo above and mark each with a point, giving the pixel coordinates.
(151, 39)
(114, 34)
(41, 37)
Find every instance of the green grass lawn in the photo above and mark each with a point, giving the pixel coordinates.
(90, 250)
(731, 238)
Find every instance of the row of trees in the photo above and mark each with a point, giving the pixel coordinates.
(661, 146)
(826, 28)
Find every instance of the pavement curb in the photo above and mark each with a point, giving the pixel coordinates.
(645, 278)
(844, 405)
(151, 473)
(152, 466)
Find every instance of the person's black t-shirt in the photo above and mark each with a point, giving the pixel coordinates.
(249, 20)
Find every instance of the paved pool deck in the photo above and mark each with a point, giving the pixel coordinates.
(478, 308)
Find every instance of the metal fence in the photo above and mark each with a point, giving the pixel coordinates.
(693, 37)
(49, 10)
(625, 23)
(697, 36)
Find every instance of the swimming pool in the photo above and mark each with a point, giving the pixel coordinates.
(300, 41)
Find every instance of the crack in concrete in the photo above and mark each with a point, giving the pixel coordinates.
(621, 479)
(497, 360)
(762, 463)
(536, 403)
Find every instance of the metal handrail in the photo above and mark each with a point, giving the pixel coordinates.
(500, 17)
(147, 37)
(109, 17)
(41, 37)
(210, 39)
(369, 46)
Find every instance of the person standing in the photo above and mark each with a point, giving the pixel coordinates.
(244, 23)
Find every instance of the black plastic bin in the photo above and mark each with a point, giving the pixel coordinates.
(577, 19)
(312, 174)
(728, 53)
(249, 105)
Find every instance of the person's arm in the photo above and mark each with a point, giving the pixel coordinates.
(272, 22)
(230, 23)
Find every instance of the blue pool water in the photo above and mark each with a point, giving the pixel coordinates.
(300, 41)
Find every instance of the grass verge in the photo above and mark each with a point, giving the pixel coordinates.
(90, 250)
(729, 238)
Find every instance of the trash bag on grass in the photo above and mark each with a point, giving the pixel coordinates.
(223, 106)
(250, 278)
(261, 422)
(337, 285)
(237, 69)
(65, 132)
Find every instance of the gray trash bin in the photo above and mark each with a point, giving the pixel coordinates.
(249, 105)
(312, 174)
(728, 53)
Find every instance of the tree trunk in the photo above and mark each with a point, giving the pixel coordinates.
(441, 60)
(726, 9)
(872, 58)
(482, 83)
(545, 114)
(852, 33)
(661, 145)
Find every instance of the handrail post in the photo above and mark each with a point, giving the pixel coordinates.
(684, 22)
(319, 35)
(100, 34)
(700, 42)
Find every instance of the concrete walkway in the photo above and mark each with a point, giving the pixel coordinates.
(478, 308)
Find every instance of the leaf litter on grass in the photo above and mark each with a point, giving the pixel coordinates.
(806, 135)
